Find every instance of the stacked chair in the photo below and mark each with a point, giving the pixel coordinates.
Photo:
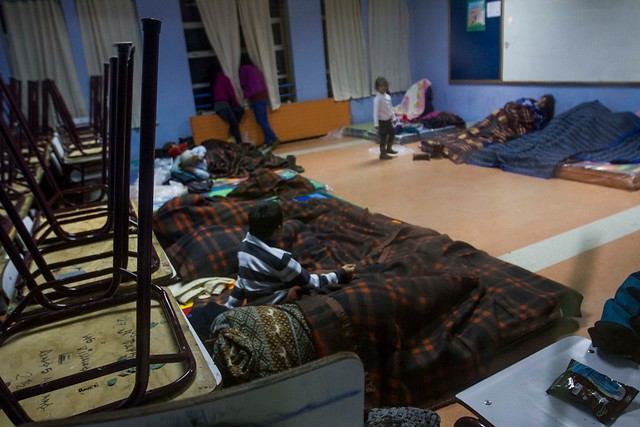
(52, 298)
(77, 150)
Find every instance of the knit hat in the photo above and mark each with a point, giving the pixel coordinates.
(187, 159)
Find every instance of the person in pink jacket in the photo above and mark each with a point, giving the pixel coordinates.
(255, 90)
(225, 103)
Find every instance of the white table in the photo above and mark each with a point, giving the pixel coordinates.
(516, 396)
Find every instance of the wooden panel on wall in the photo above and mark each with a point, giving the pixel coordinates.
(298, 120)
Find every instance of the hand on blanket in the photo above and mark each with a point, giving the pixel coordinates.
(296, 292)
(349, 270)
(293, 294)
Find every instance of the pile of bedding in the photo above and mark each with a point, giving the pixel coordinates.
(425, 313)
(589, 131)
(226, 159)
(416, 119)
(505, 124)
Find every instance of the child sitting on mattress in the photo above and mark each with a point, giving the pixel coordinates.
(266, 274)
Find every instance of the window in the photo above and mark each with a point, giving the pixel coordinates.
(200, 53)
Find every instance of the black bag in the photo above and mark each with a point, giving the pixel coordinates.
(199, 186)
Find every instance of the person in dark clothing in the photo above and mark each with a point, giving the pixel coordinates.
(255, 90)
(225, 103)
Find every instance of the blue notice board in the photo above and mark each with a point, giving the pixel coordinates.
(473, 55)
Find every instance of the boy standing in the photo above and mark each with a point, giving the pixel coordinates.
(383, 118)
(268, 273)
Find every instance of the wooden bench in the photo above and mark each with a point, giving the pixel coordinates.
(291, 122)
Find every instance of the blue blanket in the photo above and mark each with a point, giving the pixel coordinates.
(589, 131)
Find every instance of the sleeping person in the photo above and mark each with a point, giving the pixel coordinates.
(513, 120)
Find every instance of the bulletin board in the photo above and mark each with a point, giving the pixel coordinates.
(473, 55)
(547, 41)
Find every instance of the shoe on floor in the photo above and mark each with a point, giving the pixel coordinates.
(421, 156)
(291, 164)
(391, 151)
(385, 156)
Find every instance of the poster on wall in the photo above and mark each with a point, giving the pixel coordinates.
(476, 15)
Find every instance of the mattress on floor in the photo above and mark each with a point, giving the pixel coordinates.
(624, 176)
(368, 131)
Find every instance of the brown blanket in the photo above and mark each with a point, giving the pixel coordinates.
(504, 124)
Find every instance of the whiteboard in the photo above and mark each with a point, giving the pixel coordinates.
(571, 41)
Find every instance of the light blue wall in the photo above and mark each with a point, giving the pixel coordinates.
(307, 49)
(5, 70)
(430, 50)
(175, 96)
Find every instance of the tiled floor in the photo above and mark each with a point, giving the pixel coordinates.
(567, 231)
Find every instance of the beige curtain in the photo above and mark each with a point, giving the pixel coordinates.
(258, 36)
(346, 52)
(220, 19)
(389, 42)
(39, 48)
(103, 23)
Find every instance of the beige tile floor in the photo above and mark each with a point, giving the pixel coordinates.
(495, 211)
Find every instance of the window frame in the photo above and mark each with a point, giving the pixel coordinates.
(201, 92)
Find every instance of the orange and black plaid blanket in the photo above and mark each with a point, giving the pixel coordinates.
(225, 159)
(505, 124)
(426, 314)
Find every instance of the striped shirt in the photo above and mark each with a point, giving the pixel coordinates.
(268, 272)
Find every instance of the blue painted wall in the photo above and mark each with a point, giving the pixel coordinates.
(430, 55)
(307, 49)
(5, 71)
(175, 96)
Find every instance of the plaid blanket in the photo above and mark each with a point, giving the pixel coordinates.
(425, 313)
(504, 124)
(588, 131)
(226, 159)
(201, 235)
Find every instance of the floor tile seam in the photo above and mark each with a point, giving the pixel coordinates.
(571, 243)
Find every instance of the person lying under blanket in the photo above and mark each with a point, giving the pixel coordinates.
(513, 120)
